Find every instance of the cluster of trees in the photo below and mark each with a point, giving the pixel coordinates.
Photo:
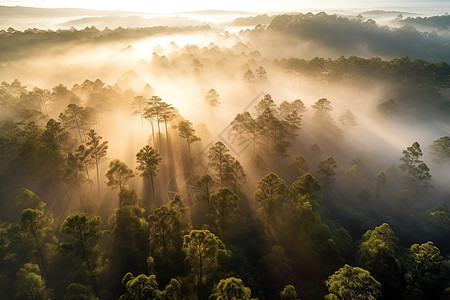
(252, 21)
(304, 239)
(404, 71)
(140, 249)
(435, 22)
(349, 35)
(15, 43)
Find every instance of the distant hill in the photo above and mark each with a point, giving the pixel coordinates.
(218, 12)
(20, 11)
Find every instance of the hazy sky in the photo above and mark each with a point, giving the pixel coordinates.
(250, 5)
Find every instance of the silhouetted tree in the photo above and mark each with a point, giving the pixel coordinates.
(97, 150)
(212, 98)
(118, 174)
(148, 160)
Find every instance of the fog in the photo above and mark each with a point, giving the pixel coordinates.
(393, 79)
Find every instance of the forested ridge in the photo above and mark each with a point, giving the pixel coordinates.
(262, 177)
(291, 246)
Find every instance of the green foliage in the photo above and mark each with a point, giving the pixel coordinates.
(425, 261)
(118, 174)
(84, 234)
(204, 252)
(223, 206)
(29, 283)
(28, 199)
(77, 291)
(352, 283)
(441, 149)
(417, 172)
(37, 228)
(306, 184)
(142, 287)
(289, 293)
(148, 160)
(387, 108)
(186, 131)
(230, 288)
(271, 193)
(219, 160)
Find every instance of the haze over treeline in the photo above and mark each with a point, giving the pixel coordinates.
(224, 155)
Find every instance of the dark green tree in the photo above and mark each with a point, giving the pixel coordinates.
(327, 171)
(97, 151)
(204, 252)
(441, 149)
(219, 160)
(352, 283)
(30, 284)
(223, 206)
(83, 233)
(271, 193)
(148, 160)
(230, 288)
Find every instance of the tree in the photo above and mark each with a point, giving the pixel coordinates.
(377, 254)
(424, 259)
(411, 159)
(206, 183)
(167, 113)
(186, 131)
(148, 160)
(37, 229)
(306, 184)
(441, 149)
(300, 165)
(270, 194)
(266, 103)
(29, 283)
(77, 117)
(166, 225)
(212, 98)
(348, 119)
(118, 174)
(27, 199)
(323, 108)
(247, 128)
(97, 151)
(204, 252)
(380, 181)
(352, 283)
(138, 105)
(152, 112)
(387, 108)
(77, 291)
(289, 293)
(223, 206)
(422, 176)
(229, 289)
(261, 73)
(236, 174)
(129, 231)
(142, 287)
(248, 77)
(327, 171)
(84, 233)
(219, 160)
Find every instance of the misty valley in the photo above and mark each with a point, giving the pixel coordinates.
(224, 155)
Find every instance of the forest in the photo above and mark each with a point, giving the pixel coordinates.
(225, 168)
